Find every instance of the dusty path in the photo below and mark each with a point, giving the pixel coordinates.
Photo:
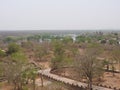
(47, 73)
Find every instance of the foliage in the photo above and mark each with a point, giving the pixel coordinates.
(67, 40)
(13, 48)
(58, 54)
(33, 37)
(2, 53)
(29, 46)
(18, 71)
(111, 42)
(29, 74)
(10, 39)
(41, 51)
(103, 41)
(83, 39)
(15, 65)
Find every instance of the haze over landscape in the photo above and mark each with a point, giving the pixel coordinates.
(59, 44)
(59, 14)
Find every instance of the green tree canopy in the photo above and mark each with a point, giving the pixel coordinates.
(13, 48)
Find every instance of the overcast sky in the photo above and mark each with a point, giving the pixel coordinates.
(59, 14)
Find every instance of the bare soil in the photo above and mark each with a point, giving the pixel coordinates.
(110, 80)
(5, 86)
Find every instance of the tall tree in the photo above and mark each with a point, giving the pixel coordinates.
(115, 58)
(30, 73)
(41, 51)
(89, 67)
(14, 66)
(58, 55)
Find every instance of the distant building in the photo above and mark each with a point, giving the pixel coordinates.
(73, 36)
(46, 40)
(40, 40)
(119, 42)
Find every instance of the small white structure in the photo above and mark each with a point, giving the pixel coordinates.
(2, 50)
(119, 42)
(73, 36)
(40, 40)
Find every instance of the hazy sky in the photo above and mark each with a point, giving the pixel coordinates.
(59, 14)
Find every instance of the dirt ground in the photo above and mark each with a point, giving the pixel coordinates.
(110, 80)
(5, 86)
